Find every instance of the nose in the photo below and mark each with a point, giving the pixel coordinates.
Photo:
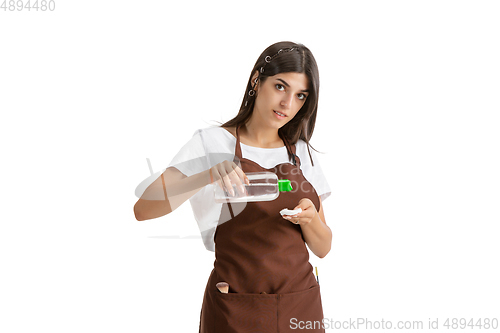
(286, 102)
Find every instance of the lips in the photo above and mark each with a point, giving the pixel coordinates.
(281, 113)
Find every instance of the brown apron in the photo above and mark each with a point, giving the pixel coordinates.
(264, 259)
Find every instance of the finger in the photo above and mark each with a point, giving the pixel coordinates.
(291, 219)
(225, 180)
(242, 175)
(240, 178)
(229, 177)
(216, 177)
(234, 175)
(227, 184)
(221, 185)
(303, 204)
(236, 181)
(244, 181)
(243, 178)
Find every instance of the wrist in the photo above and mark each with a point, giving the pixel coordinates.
(210, 177)
(315, 220)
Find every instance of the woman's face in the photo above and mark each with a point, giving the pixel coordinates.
(283, 93)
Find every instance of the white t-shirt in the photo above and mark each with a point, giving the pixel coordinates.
(213, 145)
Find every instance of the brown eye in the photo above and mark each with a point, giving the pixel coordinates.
(301, 96)
(280, 87)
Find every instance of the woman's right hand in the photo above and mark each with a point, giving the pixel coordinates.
(227, 173)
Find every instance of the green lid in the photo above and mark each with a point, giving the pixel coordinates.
(284, 185)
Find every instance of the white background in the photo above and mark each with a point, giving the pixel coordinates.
(408, 121)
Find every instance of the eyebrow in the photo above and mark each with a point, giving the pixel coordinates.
(287, 85)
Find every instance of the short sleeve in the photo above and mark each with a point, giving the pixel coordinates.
(195, 157)
(192, 157)
(314, 174)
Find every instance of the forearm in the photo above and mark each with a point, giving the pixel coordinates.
(318, 236)
(162, 199)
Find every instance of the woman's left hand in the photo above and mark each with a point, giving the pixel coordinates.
(307, 214)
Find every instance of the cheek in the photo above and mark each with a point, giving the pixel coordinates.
(299, 105)
(265, 97)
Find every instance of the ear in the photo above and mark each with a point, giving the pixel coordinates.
(255, 76)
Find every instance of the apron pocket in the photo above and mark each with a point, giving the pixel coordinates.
(244, 312)
(300, 309)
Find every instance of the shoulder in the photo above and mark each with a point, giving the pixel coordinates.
(303, 150)
(214, 138)
(231, 129)
(213, 131)
(314, 174)
(229, 133)
(218, 129)
(301, 143)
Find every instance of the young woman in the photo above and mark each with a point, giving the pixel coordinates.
(259, 253)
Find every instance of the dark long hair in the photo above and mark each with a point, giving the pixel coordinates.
(285, 57)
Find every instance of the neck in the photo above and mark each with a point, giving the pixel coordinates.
(260, 135)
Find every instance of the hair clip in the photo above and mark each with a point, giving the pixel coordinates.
(268, 59)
